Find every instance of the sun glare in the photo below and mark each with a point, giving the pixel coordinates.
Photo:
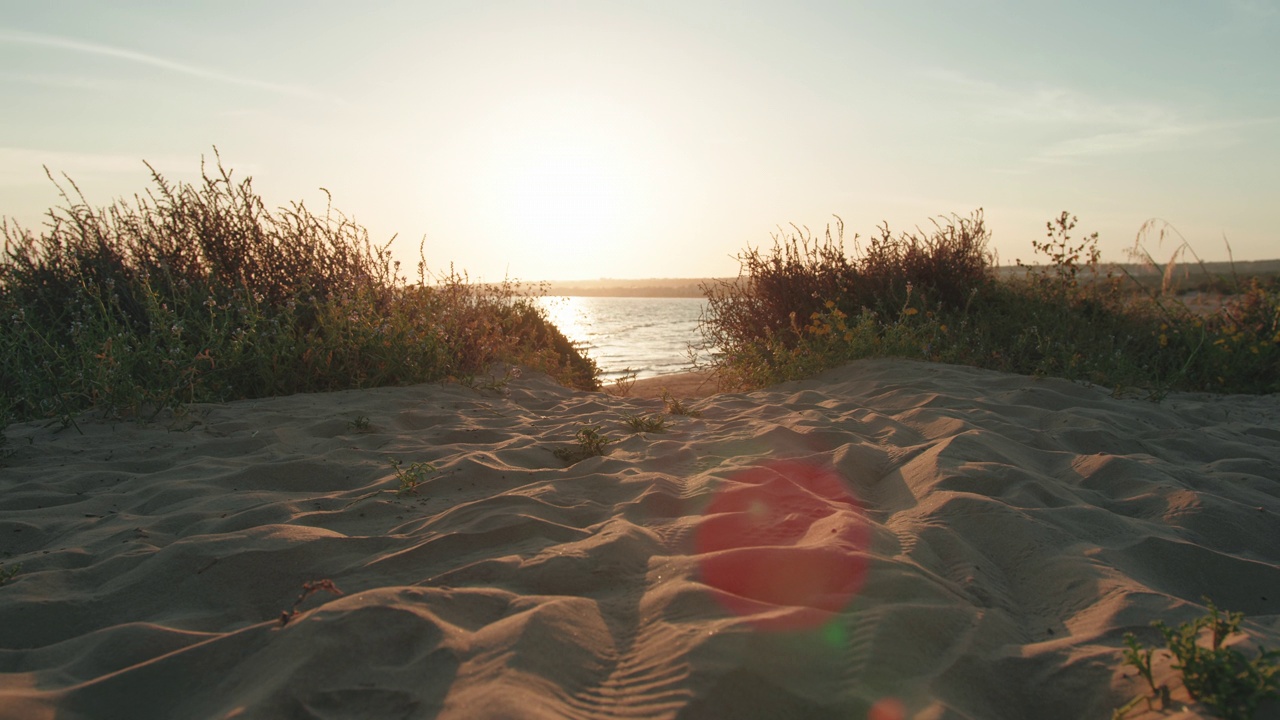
(562, 185)
(562, 196)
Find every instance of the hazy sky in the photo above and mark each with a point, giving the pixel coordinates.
(567, 140)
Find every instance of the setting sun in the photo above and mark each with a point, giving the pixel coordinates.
(562, 195)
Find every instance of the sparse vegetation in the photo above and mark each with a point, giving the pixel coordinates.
(623, 384)
(9, 573)
(1223, 679)
(196, 293)
(646, 423)
(360, 423)
(677, 407)
(412, 476)
(492, 383)
(807, 306)
(590, 444)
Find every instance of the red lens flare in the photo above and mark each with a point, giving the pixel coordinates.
(783, 544)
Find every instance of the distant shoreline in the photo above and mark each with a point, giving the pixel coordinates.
(692, 287)
(650, 288)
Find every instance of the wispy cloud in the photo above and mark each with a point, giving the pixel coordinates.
(1152, 137)
(1045, 105)
(1088, 125)
(69, 82)
(26, 166)
(79, 46)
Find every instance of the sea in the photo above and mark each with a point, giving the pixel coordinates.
(645, 336)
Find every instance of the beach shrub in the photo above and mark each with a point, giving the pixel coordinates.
(1225, 680)
(590, 444)
(623, 384)
(675, 406)
(9, 573)
(645, 423)
(806, 306)
(411, 477)
(197, 292)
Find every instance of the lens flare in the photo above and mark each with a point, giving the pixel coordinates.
(889, 708)
(783, 545)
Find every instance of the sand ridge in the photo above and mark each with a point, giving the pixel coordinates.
(912, 539)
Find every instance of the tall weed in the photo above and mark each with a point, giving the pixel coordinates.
(197, 292)
(808, 306)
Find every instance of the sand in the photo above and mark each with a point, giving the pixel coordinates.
(682, 386)
(890, 540)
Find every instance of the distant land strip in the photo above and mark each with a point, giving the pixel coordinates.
(692, 287)
(651, 287)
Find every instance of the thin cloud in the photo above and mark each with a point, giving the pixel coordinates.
(1092, 126)
(1111, 143)
(1048, 105)
(1147, 138)
(88, 48)
(25, 166)
(69, 82)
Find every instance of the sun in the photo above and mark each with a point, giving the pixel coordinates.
(563, 196)
(562, 188)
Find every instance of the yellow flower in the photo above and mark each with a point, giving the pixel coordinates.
(910, 311)
(830, 304)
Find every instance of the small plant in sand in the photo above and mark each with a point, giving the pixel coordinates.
(8, 573)
(645, 423)
(412, 476)
(308, 589)
(360, 423)
(676, 407)
(622, 386)
(491, 383)
(590, 444)
(1222, 678)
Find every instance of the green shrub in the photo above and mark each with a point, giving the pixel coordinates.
(410, 478)
(675, 406)
(198, 293)
(645, 423)
(590, 444)
(807, 306)
(1224, 679)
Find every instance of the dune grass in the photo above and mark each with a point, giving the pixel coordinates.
(806, 305)
(199, 293)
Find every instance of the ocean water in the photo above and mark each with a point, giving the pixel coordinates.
(650, 336)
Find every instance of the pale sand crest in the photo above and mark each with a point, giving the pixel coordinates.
(1011, 531)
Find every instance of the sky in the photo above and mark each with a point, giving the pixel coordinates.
(560, 140)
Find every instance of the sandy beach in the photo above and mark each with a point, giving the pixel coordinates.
(682, 386)
(889, 540)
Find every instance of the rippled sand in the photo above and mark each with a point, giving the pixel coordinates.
(892, 539)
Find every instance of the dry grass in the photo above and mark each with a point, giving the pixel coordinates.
(807, 306)
(195, 293)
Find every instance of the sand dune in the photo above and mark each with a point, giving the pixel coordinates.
(892, 539)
